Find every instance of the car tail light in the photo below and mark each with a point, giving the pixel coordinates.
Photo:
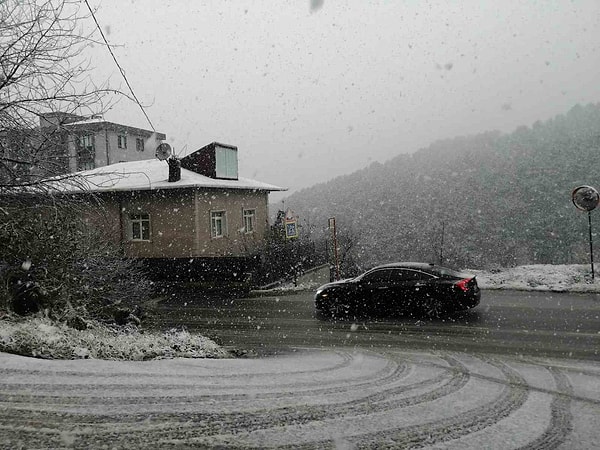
(463, 284)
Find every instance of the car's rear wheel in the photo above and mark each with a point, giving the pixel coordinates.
(432, 307)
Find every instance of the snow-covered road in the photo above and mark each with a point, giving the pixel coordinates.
(308, 399)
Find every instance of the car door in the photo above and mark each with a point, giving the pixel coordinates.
(373, 289)
(389, 288)
(408, 287)
(391, 295)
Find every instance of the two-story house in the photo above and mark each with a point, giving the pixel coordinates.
(193, 218)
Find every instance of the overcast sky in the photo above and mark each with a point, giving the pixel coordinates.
(309, 90)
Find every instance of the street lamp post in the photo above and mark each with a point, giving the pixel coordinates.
(591, 245)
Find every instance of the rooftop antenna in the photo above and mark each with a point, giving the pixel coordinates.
(163, 151)
(182, 151)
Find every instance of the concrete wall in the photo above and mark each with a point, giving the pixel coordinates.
(106, 144)
(115, 154)
(315, 277)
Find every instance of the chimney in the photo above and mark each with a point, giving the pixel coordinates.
(174, 169)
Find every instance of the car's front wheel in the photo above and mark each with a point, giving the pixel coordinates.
(339, 310)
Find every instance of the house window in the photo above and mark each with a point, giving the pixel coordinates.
(139, 144)
(122, 141)
(226, 163)
(140, 227)
(218, 224)
(249, 220)
(86, 152)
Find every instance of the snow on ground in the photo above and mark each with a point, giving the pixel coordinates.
(38, 337)
(340, 398)
(540, 277)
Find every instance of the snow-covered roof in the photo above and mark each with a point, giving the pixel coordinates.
(145, 175)
(87, 121)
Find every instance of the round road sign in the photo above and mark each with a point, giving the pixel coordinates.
(585, 198)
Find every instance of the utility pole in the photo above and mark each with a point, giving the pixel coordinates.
(335, 247)
(442, 244)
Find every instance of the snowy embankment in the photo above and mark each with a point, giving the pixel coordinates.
(540, 277)
(40, 338)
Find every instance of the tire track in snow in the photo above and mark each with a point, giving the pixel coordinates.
(561, 420)
(305, 401)
(513, 396)
(210, 424)
(392, 372)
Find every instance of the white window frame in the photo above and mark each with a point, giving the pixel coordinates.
(138, 223)
(249, 218)
(218, 224)
(122, 141)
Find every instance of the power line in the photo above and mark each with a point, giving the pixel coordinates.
(119, 66)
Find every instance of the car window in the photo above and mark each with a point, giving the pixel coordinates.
(445, 272)
(377, 276)
(404, 275)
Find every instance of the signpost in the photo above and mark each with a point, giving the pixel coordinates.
(291, 228)
(291, 225)
(586, 198)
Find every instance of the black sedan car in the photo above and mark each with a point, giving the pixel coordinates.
(421, 288)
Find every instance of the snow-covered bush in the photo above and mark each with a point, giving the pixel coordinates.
(40, 337)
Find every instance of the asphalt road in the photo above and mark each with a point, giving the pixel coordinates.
(562, 325)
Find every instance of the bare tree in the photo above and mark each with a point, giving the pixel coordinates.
(347, 241)
(50, 260)
(42, 70)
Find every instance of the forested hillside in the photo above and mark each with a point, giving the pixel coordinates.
(478, 201)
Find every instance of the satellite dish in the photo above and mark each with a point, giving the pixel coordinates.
(163, 151)
(585, 198)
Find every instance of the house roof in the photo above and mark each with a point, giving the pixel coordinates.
(146, 175)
